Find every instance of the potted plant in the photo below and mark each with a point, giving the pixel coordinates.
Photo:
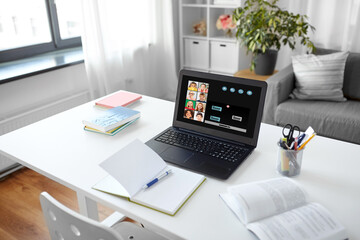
(263, 27)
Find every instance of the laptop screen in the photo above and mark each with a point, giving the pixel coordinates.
(219, 105)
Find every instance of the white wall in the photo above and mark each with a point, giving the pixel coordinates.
(31, 92)
(19, 100)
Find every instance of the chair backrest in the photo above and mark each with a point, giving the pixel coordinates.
(65, 224)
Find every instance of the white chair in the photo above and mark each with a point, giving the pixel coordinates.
(65, 224)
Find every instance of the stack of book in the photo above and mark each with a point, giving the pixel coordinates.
(110, 121)
(121, 98)
(109, 115)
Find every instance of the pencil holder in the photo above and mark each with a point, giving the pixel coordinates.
(289, 162)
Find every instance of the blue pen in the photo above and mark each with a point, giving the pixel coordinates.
(301, 137)
(157, 179)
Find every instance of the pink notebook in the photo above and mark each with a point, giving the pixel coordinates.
(121, 98)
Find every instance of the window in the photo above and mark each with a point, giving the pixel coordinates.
(30, 27)
(69, 17)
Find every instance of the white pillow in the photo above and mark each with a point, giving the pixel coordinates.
(319, 77)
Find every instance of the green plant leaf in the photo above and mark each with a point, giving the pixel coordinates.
(262, 24)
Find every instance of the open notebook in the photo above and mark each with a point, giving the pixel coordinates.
(136, 165)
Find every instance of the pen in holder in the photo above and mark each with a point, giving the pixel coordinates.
(289, 161)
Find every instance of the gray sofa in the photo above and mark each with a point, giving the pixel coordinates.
(339, 120)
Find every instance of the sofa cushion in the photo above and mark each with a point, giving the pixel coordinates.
(351, 86)
(340, 120)
(352, 77)
(319, 77)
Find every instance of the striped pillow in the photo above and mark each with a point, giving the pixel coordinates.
(319, 77)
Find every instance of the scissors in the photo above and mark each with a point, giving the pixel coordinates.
(288, 132)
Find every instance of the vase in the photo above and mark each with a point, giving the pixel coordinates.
(229, 33)
(265, 62)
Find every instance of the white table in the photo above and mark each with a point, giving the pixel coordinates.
(60, 149)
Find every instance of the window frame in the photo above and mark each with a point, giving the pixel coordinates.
(56, 42)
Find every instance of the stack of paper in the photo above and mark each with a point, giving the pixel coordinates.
(110, 121)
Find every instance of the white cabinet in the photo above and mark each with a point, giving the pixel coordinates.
(211, 50)
(196, 53)
(224, 57)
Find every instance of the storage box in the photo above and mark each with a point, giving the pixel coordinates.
(196, 53)
(224, 57)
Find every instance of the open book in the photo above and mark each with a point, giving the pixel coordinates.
(135, 165)
(277, 209)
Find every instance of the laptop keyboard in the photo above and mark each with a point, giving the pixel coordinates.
(206, 146)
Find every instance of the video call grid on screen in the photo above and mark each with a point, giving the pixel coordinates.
(229, 107)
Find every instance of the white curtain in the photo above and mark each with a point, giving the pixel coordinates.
(129, 45)
(337, 24)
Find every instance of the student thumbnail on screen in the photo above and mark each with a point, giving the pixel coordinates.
(192, 86)
(199, 116)
(190, 104)
(189, 114)
(191, 95)
(200, 107)
(202, 97)
(203, 87)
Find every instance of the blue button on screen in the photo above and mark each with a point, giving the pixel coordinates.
(216, 108)
(240, 91)
(232, 89)
(224, 88)
(249, 93)
(214, 118)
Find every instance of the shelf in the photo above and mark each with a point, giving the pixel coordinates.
(214, 14)
(223, 39)
(215, 52)
(195, 5)
(197, 69)
(216, 38)
(191, 16)
(224, 6)
(222, 73)
(193, 36)
(194, 2)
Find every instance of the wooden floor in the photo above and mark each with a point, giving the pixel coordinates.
(20, 211)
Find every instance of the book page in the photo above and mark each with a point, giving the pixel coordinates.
(170, 193)
(134, 166)
(111, 185)
(311, 221)
(266, 198)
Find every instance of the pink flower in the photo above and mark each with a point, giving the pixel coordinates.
(225, 22)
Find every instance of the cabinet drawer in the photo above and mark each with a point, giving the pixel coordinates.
(224, 57)
(196, 53)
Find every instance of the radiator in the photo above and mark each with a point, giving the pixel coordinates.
(16, 121)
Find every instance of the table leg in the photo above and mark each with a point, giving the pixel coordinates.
(87, 207)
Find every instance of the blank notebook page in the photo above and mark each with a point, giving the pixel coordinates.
(170, 193)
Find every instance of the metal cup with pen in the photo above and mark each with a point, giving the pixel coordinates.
(290, 151)
(289, 161)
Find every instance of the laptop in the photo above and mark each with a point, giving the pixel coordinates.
(216, 123)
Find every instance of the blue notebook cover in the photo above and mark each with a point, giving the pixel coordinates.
(107, 120)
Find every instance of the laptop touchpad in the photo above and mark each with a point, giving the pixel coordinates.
(176, 155)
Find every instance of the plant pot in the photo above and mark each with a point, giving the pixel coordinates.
(265, 62)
